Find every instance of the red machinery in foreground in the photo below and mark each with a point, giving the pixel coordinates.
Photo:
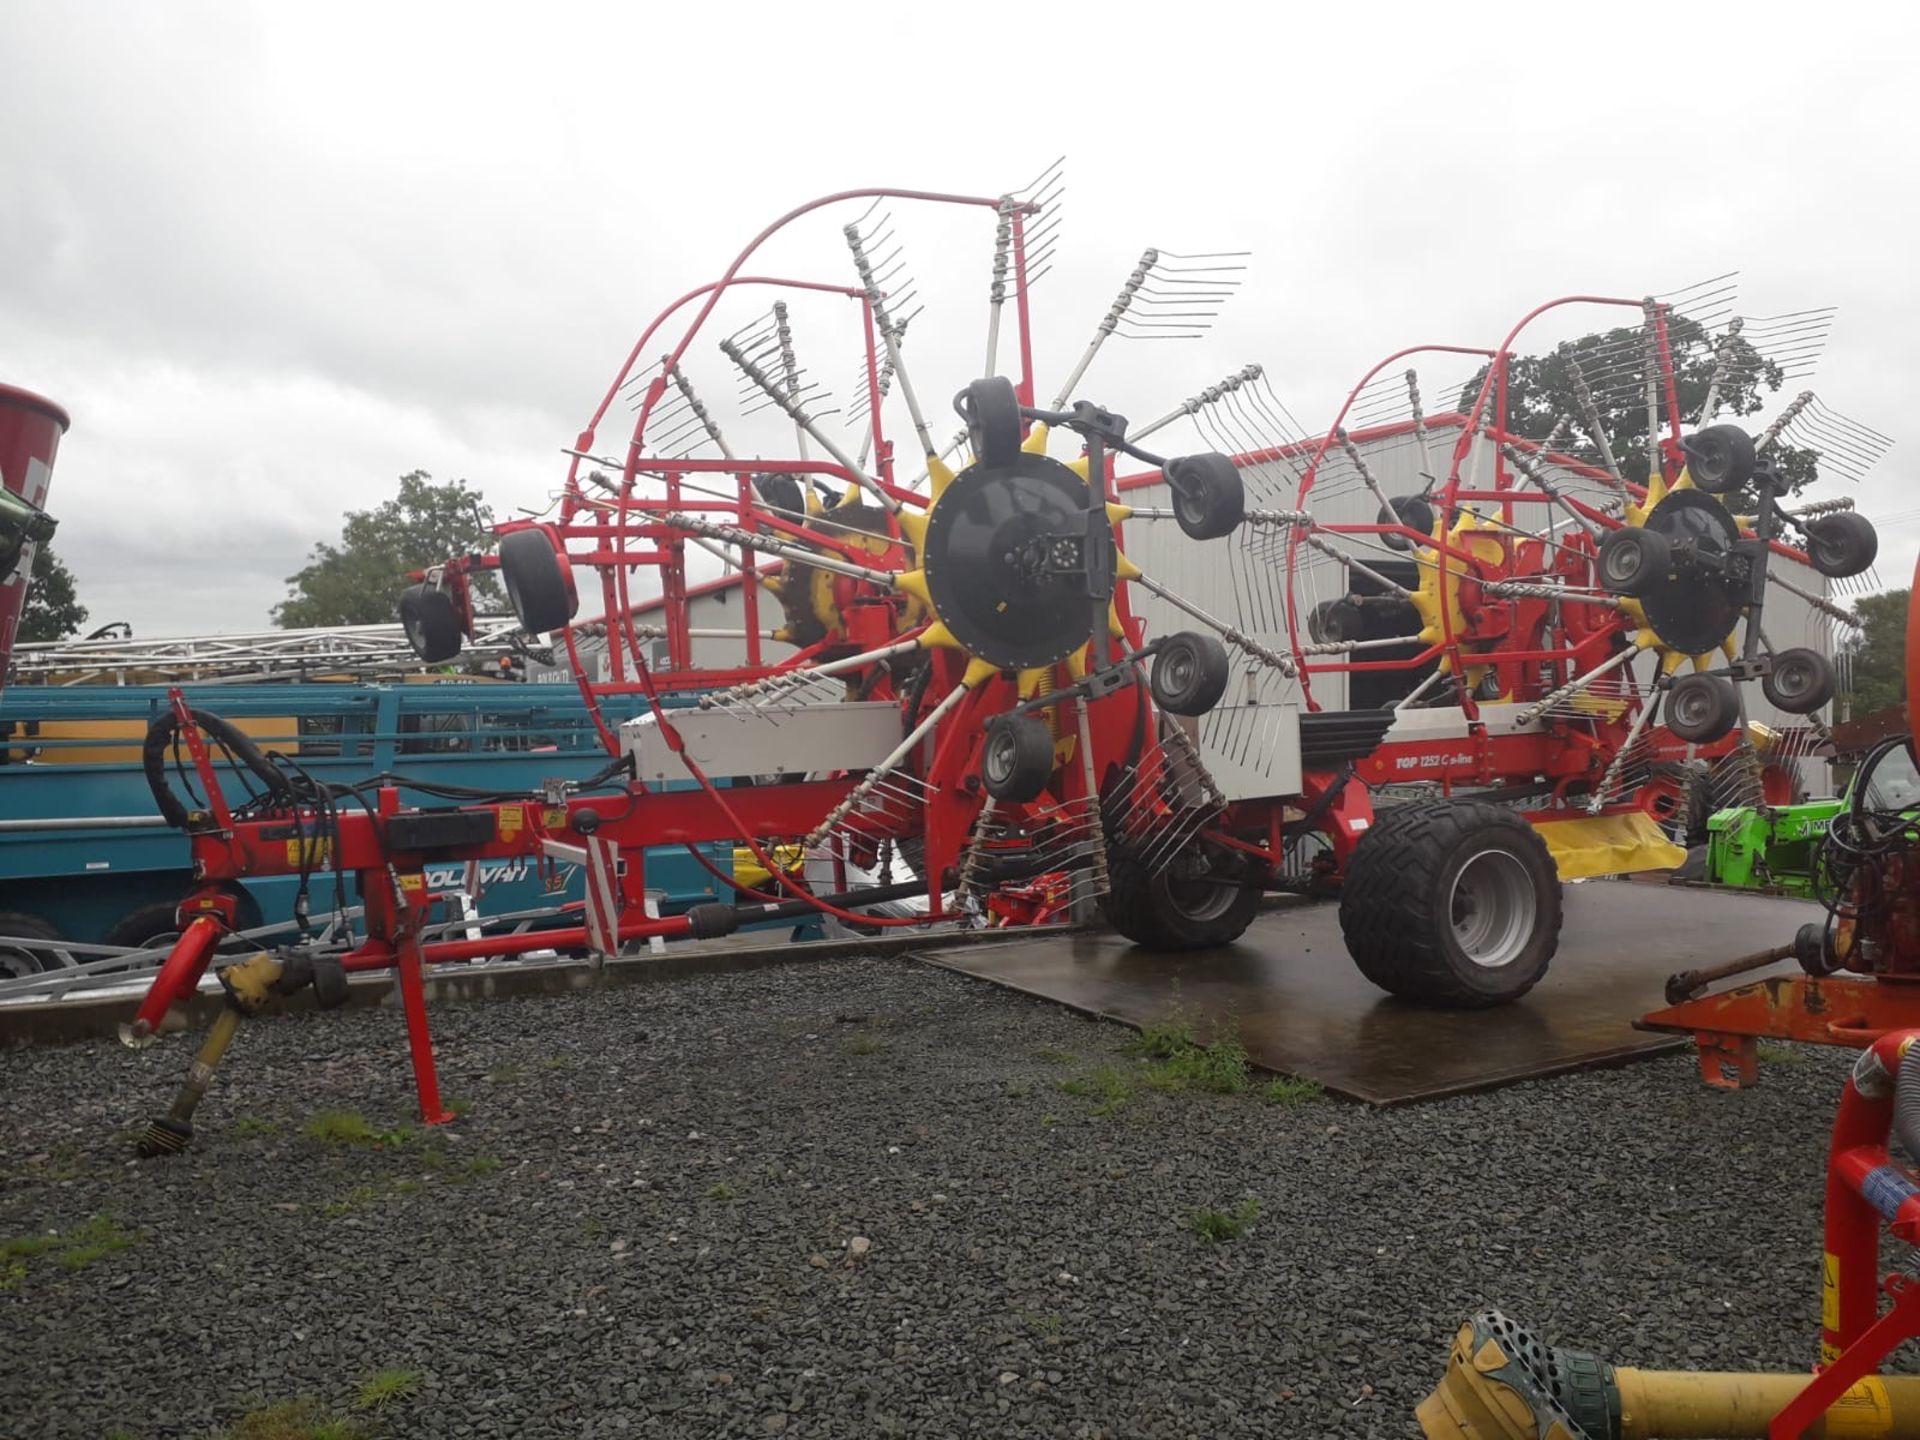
(1867, 874)
(30, 431)
(969, 705)
(1503, 1383)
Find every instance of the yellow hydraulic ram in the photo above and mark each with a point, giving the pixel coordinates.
(1502, 1383)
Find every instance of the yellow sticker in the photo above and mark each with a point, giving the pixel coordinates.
(413, 882)
(308, 852)
(512, 817)
(554, 817)
(1829, 1291)
(1864, 1410)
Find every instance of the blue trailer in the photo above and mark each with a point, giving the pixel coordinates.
(71, 755)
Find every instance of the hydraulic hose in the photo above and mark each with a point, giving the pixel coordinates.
(1906, 1102)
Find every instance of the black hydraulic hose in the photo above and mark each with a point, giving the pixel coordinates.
(153, 760)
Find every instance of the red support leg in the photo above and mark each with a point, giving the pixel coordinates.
(179, 975)
(1856, 1362)
(413, 1001)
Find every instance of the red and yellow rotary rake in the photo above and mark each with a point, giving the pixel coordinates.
(972, 679)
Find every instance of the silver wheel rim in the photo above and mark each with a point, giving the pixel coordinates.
(1491, 906)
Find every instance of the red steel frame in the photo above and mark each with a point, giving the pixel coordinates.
(1865, 1189)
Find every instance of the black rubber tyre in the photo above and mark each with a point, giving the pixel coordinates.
(146, 927)
(781, 493)
(1701, 708)
(1413, 511)
(1166, 910)
(991, 409)
(432, 623)
(1800, 682)
(330, 987)
(1720, 458)
(537, 585)
(1452, 903)
(1693, 806)
(1209, 497)
(16, 961)
(1336, 622)
(1190, 673)
(1016, 760)
(1632, 559)
(710, 922)
(1842, 545)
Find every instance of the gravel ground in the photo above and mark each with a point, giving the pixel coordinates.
(641, 1225)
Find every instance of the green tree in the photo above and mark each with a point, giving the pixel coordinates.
(1540, 390)
(1877, 653)
(357, 581)
(52, 611)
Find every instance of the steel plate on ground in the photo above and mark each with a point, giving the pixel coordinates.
(1301, 1007)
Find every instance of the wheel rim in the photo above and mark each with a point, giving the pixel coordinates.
(16, 964)
(1201, 900)
(1622, 564)
(1179, 665)
(999, 758)
(1795, 680)
(1691, 706)
(1491, 906)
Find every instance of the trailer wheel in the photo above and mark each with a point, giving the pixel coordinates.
(1679, 796)
(18, 960)
(1720, 458)
(539, 582)
(1452, 903)
(1800, 681)
(1016, 761)
(1209, 497)
(1190, 673)
(1701, 708)
(1413, 511)
(432, 623)
(1842, 545)
(1184, 905)
(991, 408)
(146, 927)
(1632, 559)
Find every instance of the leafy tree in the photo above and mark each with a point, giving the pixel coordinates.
(1877, 653)
(357, 581)
(52, 611)
(1540, 390)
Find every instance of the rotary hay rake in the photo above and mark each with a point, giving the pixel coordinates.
(972, 711)
(1523, 607)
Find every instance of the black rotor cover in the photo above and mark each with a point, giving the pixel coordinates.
(1694, 606)
(985, 539)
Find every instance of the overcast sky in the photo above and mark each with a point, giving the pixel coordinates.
(271, 258)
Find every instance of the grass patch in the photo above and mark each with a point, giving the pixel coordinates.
(506, 1074)
(1774, 1053)
(71, 1250)
(1166, 1037)
(1218, 1069)
(865, 1045)
(292, 1420)
(457, 1105)
(381, 1390)
(1290, 1090)
(722, 1192)
(1106, 1084)
(480, 1165)
(350, 1128)
(350, 1202)
(1055, 1057)
(1047, 1327)
(556, 1062)
(1215, 1226)
(252, 1127)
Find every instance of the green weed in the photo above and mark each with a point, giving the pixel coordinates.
(865, 1045)
(1774, 1053)
(1290, 1090)
(292, 1420)
(1215, 1226)
(722, 1192)
(1106, 1084)
(251, 1127)
(1055, 1057)
(381, 1390)
(73, 1249)
(1218, 1069)
(350, 1128)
